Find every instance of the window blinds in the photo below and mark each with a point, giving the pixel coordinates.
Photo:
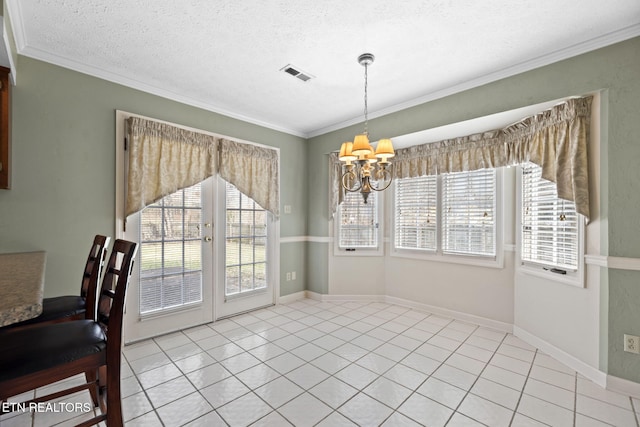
(170, 254)
(468, 213)
(549, 224)
(358, 226)
(245, 244)
(415, 213)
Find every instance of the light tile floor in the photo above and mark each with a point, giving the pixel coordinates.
(312, 363)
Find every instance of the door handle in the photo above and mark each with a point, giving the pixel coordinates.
(207, 238)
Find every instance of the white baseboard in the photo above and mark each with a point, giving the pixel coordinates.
(483, 321)
(626, 387)
(562, 356)
(478, 320)
(314, 296)
(343, 298)
(610, 382)
(292, 297)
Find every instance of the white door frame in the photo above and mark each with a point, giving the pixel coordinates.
(121, 166)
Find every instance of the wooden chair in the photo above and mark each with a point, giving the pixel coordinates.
(38, 356)
(75, 307)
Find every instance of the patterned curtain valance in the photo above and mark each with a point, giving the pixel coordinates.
(253, 170)
(164, 159)
(555, 139)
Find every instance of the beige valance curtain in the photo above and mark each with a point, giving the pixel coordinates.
(555, 139)
(336, 192)
(253, 170)
(164, 159)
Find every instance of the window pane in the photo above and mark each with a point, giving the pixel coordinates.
(170, 252)
(415, 217)
(172, 224)
(549, 224)
(358, 222)
(245, 245)
(468, 213)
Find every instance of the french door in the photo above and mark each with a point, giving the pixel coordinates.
(246, 247)
(205, 253)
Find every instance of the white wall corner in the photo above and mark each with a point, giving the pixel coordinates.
(314, 295)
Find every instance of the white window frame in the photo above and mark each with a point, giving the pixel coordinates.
(138, 217)
(574, 278)
(435, 219)
(347, 251)
(438, 255)
(221, 239)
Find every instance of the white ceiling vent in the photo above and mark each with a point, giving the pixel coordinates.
(296, 72)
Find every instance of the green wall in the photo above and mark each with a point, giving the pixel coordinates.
(615, 69)
(63, 165)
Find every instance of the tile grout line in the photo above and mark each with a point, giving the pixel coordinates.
(575, 399)
(394, 410)
(369, 352)
(476, 380)
(331, 351)
(515, 410)
(301, 312)
(358, 391)
(633, 409)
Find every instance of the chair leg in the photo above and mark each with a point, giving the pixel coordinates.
(102, 377)
(92, 380)
(114, 401)
(103, 388)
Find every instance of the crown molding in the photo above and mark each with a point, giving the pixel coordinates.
(550, 58)
(147, 88)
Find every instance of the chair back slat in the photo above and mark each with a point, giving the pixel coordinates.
(92, 274)
(114, 286)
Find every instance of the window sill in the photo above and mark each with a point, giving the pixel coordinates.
(360, 252)
(488, 262)
(571, 278)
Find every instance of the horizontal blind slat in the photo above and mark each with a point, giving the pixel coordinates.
(358, 226)
(468, 213)
(549, 224)
(415, 213)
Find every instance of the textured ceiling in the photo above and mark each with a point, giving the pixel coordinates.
(226, 55)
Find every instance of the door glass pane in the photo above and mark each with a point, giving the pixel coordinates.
(245, 244)
(170, 251)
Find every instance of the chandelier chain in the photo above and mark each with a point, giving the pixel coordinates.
(366, 109)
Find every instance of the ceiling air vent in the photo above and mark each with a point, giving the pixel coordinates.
(296, 72)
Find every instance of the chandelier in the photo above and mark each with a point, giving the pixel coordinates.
(366, 169)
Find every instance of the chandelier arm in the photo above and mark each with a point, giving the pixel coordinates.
(350, 175)
(386, 174)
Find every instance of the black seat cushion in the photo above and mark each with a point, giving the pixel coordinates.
(25, 351)
(56, 308)
(64, 306)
